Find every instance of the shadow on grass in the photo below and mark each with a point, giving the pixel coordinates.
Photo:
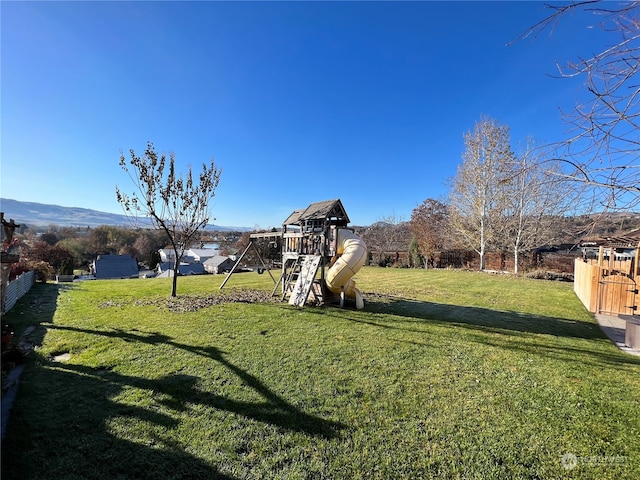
(274, 410)
(58, 428)
(516, 326)
(62, 431)
(24, 321)
(36, 307)
(484, 318)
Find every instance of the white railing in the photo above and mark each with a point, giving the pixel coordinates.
(17, 288)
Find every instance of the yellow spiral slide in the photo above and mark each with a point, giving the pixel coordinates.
(353, 255)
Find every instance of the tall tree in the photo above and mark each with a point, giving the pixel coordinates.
(536, 196)
(603, 146)
(178, 205)
(430, 227)
(477, 197)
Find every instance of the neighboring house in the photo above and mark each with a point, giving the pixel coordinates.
(115, 266)
(218, 264)
(199, 255)
(167, 255)
(166, 269)
(623, 246)
(192, 255)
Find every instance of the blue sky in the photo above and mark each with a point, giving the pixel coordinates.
(297, 102)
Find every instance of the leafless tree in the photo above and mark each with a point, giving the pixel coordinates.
(604, 143)
(536, 197)
(477, 197)
(386, 238)
(143, 247)
(178, 205)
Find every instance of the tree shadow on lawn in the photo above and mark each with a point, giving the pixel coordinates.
(489, 320)
(514, 324)
(36, 307)
(24, 321)
(67, 436)
(275, 410)
(62, 419)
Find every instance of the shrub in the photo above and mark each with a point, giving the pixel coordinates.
(546, 275)
(43, 270)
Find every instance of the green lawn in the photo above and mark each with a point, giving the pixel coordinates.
(444, 374)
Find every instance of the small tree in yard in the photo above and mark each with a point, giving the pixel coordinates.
(176, 204)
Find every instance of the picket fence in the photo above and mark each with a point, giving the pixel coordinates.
(17, 288)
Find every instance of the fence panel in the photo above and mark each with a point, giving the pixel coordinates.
(17, 288)
(617, 295)
(586, 278)
(625, 267)
(602, 289)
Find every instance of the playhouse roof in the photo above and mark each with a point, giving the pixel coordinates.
(319, 211)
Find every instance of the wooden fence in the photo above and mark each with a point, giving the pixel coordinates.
(17, 288)
(608, 286)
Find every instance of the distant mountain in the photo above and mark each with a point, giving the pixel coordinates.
(38, 214)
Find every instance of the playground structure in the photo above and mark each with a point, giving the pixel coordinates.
(320, 255)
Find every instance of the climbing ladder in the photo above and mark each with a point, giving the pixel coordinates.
(288, 277)
(302, 276)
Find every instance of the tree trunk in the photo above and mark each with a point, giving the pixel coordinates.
(481, 249)
(174, 280)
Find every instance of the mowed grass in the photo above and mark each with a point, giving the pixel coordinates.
(445, 374)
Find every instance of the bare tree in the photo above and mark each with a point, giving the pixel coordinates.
(143, 247)
(604, 145)
(536, 197)
(476, 198)
(386, 238)
(178, 205)
(429, 225)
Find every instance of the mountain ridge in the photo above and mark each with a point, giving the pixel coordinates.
(40, 214)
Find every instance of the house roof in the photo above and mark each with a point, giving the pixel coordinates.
(629, 239)
(115, 266)
(202, 252)
(183, 268)
(319, 211)
(216, 261)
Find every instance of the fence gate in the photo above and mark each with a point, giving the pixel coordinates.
(617, 295)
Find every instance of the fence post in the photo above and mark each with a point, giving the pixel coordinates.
(600, 255)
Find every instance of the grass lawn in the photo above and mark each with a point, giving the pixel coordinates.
(444, 374)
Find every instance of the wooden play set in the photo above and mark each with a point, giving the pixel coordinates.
(319, 255)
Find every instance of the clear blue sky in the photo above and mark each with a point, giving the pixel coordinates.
(297, 102)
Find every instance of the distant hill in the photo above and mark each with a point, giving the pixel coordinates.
(39, 214)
